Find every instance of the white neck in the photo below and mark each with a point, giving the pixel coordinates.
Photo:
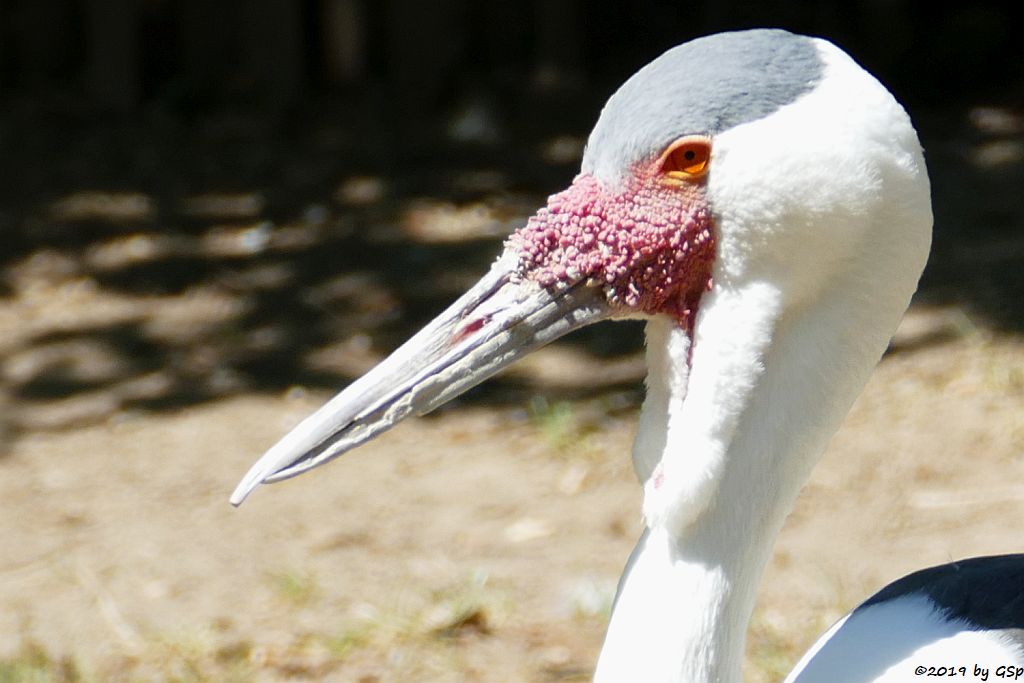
(823, 226)
(724, 453)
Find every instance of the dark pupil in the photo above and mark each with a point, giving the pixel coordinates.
(690, 155)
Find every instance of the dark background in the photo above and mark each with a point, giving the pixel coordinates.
(192, 56)
(308, 137)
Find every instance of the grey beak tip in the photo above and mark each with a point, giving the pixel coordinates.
(242, 492)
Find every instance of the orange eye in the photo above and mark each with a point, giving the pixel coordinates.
(687, 158)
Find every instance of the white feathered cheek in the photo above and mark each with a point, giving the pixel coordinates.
(781, 218)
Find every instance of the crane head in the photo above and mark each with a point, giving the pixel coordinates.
(736, 158)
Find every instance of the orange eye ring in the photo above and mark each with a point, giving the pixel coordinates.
(686, 158)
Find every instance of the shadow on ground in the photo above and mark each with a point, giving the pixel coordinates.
(152, 265)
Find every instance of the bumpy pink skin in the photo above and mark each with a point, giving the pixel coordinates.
(650, 244)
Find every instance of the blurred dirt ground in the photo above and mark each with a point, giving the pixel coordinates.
(174, 300)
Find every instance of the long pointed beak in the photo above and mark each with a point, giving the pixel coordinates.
(500, 319)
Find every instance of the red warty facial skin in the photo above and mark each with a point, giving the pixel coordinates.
(651, 243)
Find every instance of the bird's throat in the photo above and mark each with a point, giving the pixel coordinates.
(686, 597)
(723, 455)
